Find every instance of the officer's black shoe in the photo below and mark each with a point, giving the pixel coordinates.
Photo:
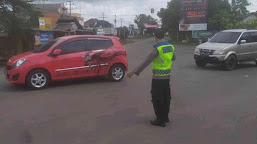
(158, 123)
(167, 120)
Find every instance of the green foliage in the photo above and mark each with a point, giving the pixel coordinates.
(122, 32)
(239, 7)
(17, 17)
(221, 15)
(222, 20)
(215, 6)
(142, 19)
(170, 16)
(251, 24)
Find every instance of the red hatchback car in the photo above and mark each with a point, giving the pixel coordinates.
(68, 58)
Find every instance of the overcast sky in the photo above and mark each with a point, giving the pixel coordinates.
(126, 9)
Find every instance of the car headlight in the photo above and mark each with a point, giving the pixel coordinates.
(218, 52)
(197, 50)
(20, 62)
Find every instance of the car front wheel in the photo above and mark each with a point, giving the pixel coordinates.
(200, 63)
(230, 63)
(116, 72)
(37, 79)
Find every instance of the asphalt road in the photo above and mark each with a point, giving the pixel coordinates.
(208, 106)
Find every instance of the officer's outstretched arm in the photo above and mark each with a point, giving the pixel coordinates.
(174, 57)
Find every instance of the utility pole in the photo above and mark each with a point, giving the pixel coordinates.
(115, 21)
(80, 7)
(70, 4)
(121, 21)
(103, 17)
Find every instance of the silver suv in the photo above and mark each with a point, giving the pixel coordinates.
(228, 47)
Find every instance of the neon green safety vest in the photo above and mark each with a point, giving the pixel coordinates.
(162, 64)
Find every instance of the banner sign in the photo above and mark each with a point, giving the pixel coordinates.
(46, 36)
(202, 34)
(37, 40)
(193, 15)
(45, 23)
(150, 26)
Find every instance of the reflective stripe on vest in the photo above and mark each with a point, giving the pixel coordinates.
(162, 72)
(162, 64)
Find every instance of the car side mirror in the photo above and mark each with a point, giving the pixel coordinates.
(242, 42)
(57, 52)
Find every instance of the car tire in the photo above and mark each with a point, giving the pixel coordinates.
(116, 73)
(200, 63)
(230, 63)
(37, 79)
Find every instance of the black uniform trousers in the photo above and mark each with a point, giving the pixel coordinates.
(161, 98)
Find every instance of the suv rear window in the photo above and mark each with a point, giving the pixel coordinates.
(226, 37)
(254, 36)
(96, 44)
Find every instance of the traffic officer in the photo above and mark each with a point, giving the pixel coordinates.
(162, 55)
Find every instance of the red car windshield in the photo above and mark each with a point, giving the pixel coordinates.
(47, 46)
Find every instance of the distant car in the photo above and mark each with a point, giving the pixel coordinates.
(68, 58)
(228, 48)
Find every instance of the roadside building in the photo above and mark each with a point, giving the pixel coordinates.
(78, 17)
(53, 11)
(101, 27)
(149, 29)
(250, 17)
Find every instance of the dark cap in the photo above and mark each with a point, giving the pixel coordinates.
(159, 33)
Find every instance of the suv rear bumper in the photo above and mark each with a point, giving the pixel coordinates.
(213, 59)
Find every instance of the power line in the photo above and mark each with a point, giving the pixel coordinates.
(110, 15)
(70, 4)
(103, 17)
(121, 21)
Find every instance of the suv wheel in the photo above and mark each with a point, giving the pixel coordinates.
(200, 63)
(230, 63)
(117, 72)
(37, 79)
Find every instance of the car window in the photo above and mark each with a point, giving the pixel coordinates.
(226, 37)
(47, 46)
(246, 36)
(96, 44)
(73, 47)
(254, 36)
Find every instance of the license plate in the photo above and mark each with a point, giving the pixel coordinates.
(205, 54)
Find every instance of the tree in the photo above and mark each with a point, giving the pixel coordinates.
(142, 19)
(123, 32)
(222, 20)
(221, 15)
(170, 17)
(239, 7)
(215, 6)
(251, 24)
(229, 16)
(17, 17)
